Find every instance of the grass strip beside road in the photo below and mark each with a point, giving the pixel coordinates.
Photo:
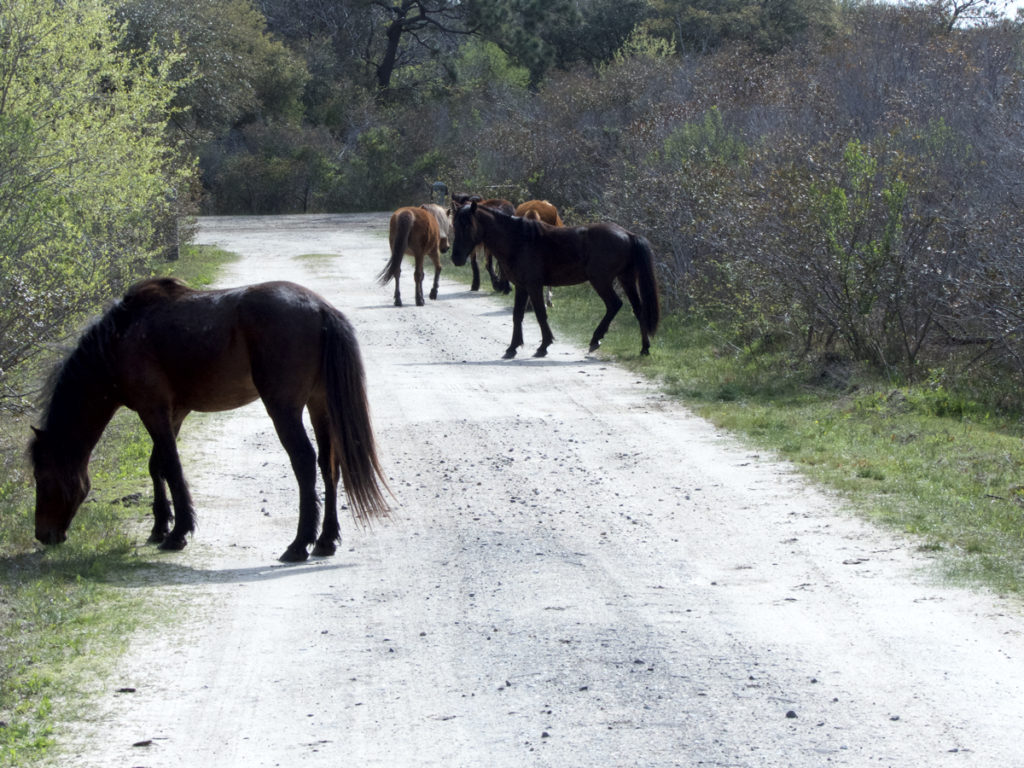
(923, 459)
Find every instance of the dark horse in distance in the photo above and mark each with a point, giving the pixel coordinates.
(165, 350)
(534, 254)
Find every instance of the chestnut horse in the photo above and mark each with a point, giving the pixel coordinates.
(413, 231)
(541, 209)
(498, 282)
(534, 254)
(165, 350)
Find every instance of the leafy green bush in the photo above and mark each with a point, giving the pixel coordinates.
(88, 179)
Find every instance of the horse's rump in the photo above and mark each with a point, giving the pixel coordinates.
(541, 210)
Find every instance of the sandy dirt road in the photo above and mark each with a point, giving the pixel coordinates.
(582, 574)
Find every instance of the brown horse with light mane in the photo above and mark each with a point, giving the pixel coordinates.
(444, 224)
(498, 282)
(165, 350)
(414, 231)
(534, 254)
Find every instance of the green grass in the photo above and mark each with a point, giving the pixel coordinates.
(199, 265)
(923, 460)
(67, 612)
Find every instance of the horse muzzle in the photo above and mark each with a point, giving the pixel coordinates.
(50, 537)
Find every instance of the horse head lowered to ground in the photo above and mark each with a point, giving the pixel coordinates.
(165, 350)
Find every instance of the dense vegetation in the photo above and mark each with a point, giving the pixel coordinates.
(841, 179)
(844, 180)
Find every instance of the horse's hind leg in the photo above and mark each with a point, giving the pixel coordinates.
(612, 304)
(628, 284)
(288, 423)
(418, 277)
(327, 543)
(436, 258)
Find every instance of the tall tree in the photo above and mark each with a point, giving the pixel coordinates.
(240, 69)
(702, 25)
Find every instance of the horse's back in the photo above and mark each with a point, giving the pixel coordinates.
(215, 350)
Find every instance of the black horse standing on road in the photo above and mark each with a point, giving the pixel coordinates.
(533, 254)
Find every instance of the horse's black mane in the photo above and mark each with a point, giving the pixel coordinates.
(93, 352)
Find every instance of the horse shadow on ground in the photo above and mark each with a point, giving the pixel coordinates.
(130, 571)
(525, 361)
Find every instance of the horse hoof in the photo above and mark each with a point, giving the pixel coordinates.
(294, 555)
(398, 302)
(172, 544)
(433, 295)
(541, 352)
(509, 354)
(420, 302)
(594, 346)
(645, 351)
(156, 538)
(324, 549)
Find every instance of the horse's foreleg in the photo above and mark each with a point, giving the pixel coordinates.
(498, 281)
(518, 312)
(327, 543)
(165, 464)
(290, 431)
(612, 304)
(541, 313)
(162, 514)
(436, 258)
(475, 285)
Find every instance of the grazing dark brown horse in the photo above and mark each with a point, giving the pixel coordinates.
(414, 231)
(498, 282)
(165, 350)
(534, 254)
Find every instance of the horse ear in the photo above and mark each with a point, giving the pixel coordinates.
(37, 432)
(472, 207)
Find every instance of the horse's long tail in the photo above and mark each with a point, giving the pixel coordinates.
(353, 447)
(401, 228)
(650, 304)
